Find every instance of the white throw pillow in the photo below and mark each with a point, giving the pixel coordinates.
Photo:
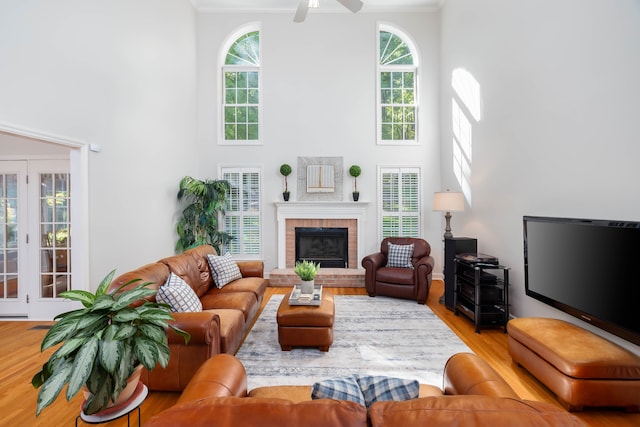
(178, 295)
(224, 269)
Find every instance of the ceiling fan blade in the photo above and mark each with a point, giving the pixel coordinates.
(301, 11)
(352, 5)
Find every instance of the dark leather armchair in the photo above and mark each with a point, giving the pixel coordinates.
(399, 282)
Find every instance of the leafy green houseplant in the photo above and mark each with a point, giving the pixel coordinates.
(103, 343)
(205, 202)
(285, 170)
(307, 271)
(355, 172)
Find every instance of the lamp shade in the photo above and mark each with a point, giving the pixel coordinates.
(448, 201)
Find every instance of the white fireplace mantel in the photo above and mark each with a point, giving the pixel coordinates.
(318, 210)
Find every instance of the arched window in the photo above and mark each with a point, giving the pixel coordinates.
(241, 88)
(397, 83)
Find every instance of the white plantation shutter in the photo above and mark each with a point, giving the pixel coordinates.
(400, 207)
(243, 216)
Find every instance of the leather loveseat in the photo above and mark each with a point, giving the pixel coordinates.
(220, 327)
(473, 395)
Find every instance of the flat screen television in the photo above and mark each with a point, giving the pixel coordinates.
(587, 268)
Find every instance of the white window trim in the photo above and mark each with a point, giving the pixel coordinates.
(260, 171)
(222, 54)
(382, 26)
(381, 212)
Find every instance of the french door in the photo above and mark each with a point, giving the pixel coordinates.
(35, 238)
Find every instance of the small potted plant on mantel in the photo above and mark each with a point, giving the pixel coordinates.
(285, 170)
(307, 271)
(103, 345)
(355, 172)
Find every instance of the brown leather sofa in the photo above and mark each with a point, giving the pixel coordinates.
(473, 394)
(406, 283)
(227, 314)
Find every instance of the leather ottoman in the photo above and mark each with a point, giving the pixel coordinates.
(580, 367)
(305, 325)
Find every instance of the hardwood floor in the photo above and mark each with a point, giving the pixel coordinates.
(21, 358)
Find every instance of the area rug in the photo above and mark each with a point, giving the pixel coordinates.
(373, 336)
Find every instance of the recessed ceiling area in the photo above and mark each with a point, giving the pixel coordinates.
(325, 5)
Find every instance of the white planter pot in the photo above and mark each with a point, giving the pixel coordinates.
(306, 286)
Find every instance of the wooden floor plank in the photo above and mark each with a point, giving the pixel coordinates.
(20, 359)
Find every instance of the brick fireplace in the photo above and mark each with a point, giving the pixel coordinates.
(349, 215)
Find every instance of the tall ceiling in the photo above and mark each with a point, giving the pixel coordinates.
(325, 5)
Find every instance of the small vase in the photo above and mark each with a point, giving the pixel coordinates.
(356, 195)
(285, 196)
(306, 287)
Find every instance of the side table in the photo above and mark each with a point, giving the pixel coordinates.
(111, 414)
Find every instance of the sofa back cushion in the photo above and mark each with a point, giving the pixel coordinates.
(477, 411)
(192, 266)
(155, 273)
(261, 412)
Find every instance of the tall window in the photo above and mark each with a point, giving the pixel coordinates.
(397, 88)
(243, 215)
(400, 202)
(241, 90)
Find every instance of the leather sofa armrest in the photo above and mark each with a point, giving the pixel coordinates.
(251, 268)
(371, 264)
(468, 374)
(221, 376)
(184, 359)
(203, 328)
(425, 262)
(374, 261)
(423, 268)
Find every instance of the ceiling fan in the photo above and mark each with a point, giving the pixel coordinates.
(303, 7)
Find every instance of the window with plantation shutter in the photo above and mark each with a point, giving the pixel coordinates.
(400, 202)
(243, 215)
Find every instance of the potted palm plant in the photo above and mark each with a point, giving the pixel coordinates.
(355, 172)
(205, 201)
(103, 344)
(307, 271)
(285, 170)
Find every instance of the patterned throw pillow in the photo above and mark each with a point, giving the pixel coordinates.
(223, 269)
(345, 388)
(179, 295)
(377, 388)
(400, 256)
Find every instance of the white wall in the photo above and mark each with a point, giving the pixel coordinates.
(318, 100)
(120, 74)
(559, 134)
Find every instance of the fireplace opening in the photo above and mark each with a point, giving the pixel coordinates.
(325, 245)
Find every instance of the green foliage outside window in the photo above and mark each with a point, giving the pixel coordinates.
(242, 89)
(397, 89)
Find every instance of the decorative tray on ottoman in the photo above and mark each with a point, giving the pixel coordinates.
(298, 298)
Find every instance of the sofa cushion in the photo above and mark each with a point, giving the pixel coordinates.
(400, 256)
(178, 295)
(477, 411)
(377, 388)
(346, 388)
(261, 412)
(224, 269)
(243, 301)
(186, 266)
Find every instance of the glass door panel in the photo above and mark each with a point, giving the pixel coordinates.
(55, 255)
